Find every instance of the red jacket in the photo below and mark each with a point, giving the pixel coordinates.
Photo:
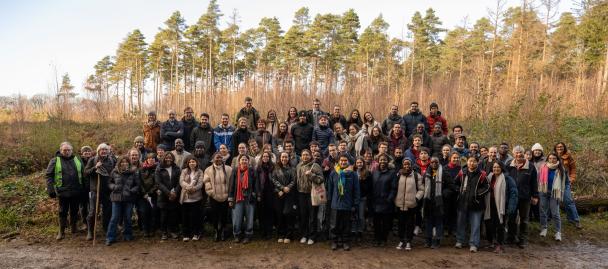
(432, 120)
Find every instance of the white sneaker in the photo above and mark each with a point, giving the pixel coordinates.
(303, 240)
(186, 239)
(286, 241)
(417, 230)
(310, 242)
(400, 246)
(543, 232)
(408, 247)
(558, 236)
(195, 238)
(458, 245)
(473, 249)
(280, 240)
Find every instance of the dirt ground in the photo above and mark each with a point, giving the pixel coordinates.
(151, 253)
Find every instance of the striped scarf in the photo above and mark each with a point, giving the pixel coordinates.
(341, 179)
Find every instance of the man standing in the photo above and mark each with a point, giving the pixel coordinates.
(435, 117)
(204, 133)
(343, 195)
(170, 130)
(301, 133)
(241, 135)
(250, 114)
(524, 174)
(392, 119)
(189, 122)
(64, 179)
(336, 117)
(412, 118)
(222, 134)
(439, 139)
(503, 154)
(315, 113)
(180, 153)
(151, 131)
(323, 134)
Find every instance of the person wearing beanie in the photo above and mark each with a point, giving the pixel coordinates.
(435, 117)
(301, 133)
(539, 160)
(138, 143)
(151, 131)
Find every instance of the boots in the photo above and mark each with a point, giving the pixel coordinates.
(89, 232)
(62, 225)
(74, 227)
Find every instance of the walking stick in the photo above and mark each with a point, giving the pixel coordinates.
(96, 209)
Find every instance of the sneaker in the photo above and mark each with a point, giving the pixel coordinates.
(417, 230)
(543, 232)
(558, 236)
(400, 246)
(458, 245)
(280, 240)
(237, 240)
(346, 247)
(303, 240)
(286, 241)
(195, 238)
(246, 240)
(310, 242)
(579, 225)
(473, 249)
(334, 246)
(163, 237)
(408, 247)
(108, 243)
(186, 239)
(173, 235)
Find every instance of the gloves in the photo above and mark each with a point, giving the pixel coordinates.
(53, 194)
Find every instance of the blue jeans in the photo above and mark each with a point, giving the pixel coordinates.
(358, 225)
(243, 209)
(474, 219)
(546, 203)
(569, 205)
(437, 222)
(120, 210)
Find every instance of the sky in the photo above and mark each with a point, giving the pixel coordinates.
(41, 38)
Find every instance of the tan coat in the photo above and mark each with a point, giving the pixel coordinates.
(194, 184)
(409, 191)
(216, 182)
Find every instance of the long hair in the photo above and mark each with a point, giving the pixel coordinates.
(185, 165)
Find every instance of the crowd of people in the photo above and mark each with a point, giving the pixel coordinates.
(315, 176)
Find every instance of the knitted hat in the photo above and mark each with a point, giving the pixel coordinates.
(537, 146)
(86, 148)
(139, 139)
(152, 113)
(199, 144)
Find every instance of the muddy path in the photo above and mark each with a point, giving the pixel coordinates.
(142, 253)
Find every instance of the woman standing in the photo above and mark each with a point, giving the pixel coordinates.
(124, 186)
(357, 140)
(383, 197)
(451, 196)
(167, 180)
(501, 202)
(146, 203)
(241, 198)
(436, 183)
(191, 182)
(354, 118)
(308, 173)
(266, 196)
(569, 165)
(551, 186)
(471, 202)
(281, 136)
(283, 178)
(374, 139)
(217, 184)
(369, 122)
(410, 190)
(366, 186)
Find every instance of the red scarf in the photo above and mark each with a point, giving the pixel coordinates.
(423, 167)
(242, 183)
(452, 165)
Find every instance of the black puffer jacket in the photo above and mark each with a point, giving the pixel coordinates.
(525, 178)
(411, 120)
(203, 134)
(383, 194)
(302, 136)
(165, 184)
(241, 135)
(472, 197)
(124, 185)
(189, 126)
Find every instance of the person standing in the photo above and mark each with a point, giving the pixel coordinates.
(569, 164)
(171, 130)
(86, 153)
(217, 179)
(410, 190)
(471, 202)
(151, 131)
(308, 173)
(204, 133)
(301, 133)
(124, 187)
(266, 195)
(383, 196)
(99, 168)
(412, 118)
(524, 174)
(323, 134)
(64, 180)
(392, 119)
(315, 113)
(436, 183)
(147, 210)
(284, 179)
(250, 114)
(435, 117)
(191, 195)
(551, 185)
(241, 135)
(343, 194)
(337, 117)
(501, 202)
(189, 122)
(167, 180)
(242, 198)
(180, 153)
(438, 140)
(222, 134)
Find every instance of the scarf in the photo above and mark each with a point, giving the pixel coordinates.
(557, 190)
(341, 180)
(242, 183)
(500, 198)
(153, 124)
(422, 166)
(356, 142)
(438, 175)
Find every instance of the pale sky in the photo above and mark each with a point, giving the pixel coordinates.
(74, 35)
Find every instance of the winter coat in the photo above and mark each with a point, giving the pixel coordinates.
(473, 188)
(431, 120)
(263, 137)
(410, 190)
(189, 126)
(283, 177)
(434, 205)
(124, 185)
(400, 142)
(223, 136)
(525, 178)
(324, 135)
(366, 184)
(438, 141)
(90, 173)
(302, 136)
(411, 120)
(390, 121)
(240, 136)
(352, 192)
(570, 165)
(510, 197)
(195, 183)
(71, 183)
(217, 187)
(169, 131)
(250, 193)
(303, 181)
(427, 141)
(151, 135)
(252, 117)
(147, 184)
(383, 192)
(312, 117)
(165, 184)
(204, 134)
(333, 121)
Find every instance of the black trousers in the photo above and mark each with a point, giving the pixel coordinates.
(106, 210)
(84, 207)
(220, 214)
(266, 213)
(192, 218)
(341, 230)
(495, 231)
(168, 219)
(383, 223)
(523, 210)
(146, 214)
(451, 213)
(285, 220)
(308, 216)
(69, 205)
(406, 224)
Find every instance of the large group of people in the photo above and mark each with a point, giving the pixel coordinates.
(314, 176)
